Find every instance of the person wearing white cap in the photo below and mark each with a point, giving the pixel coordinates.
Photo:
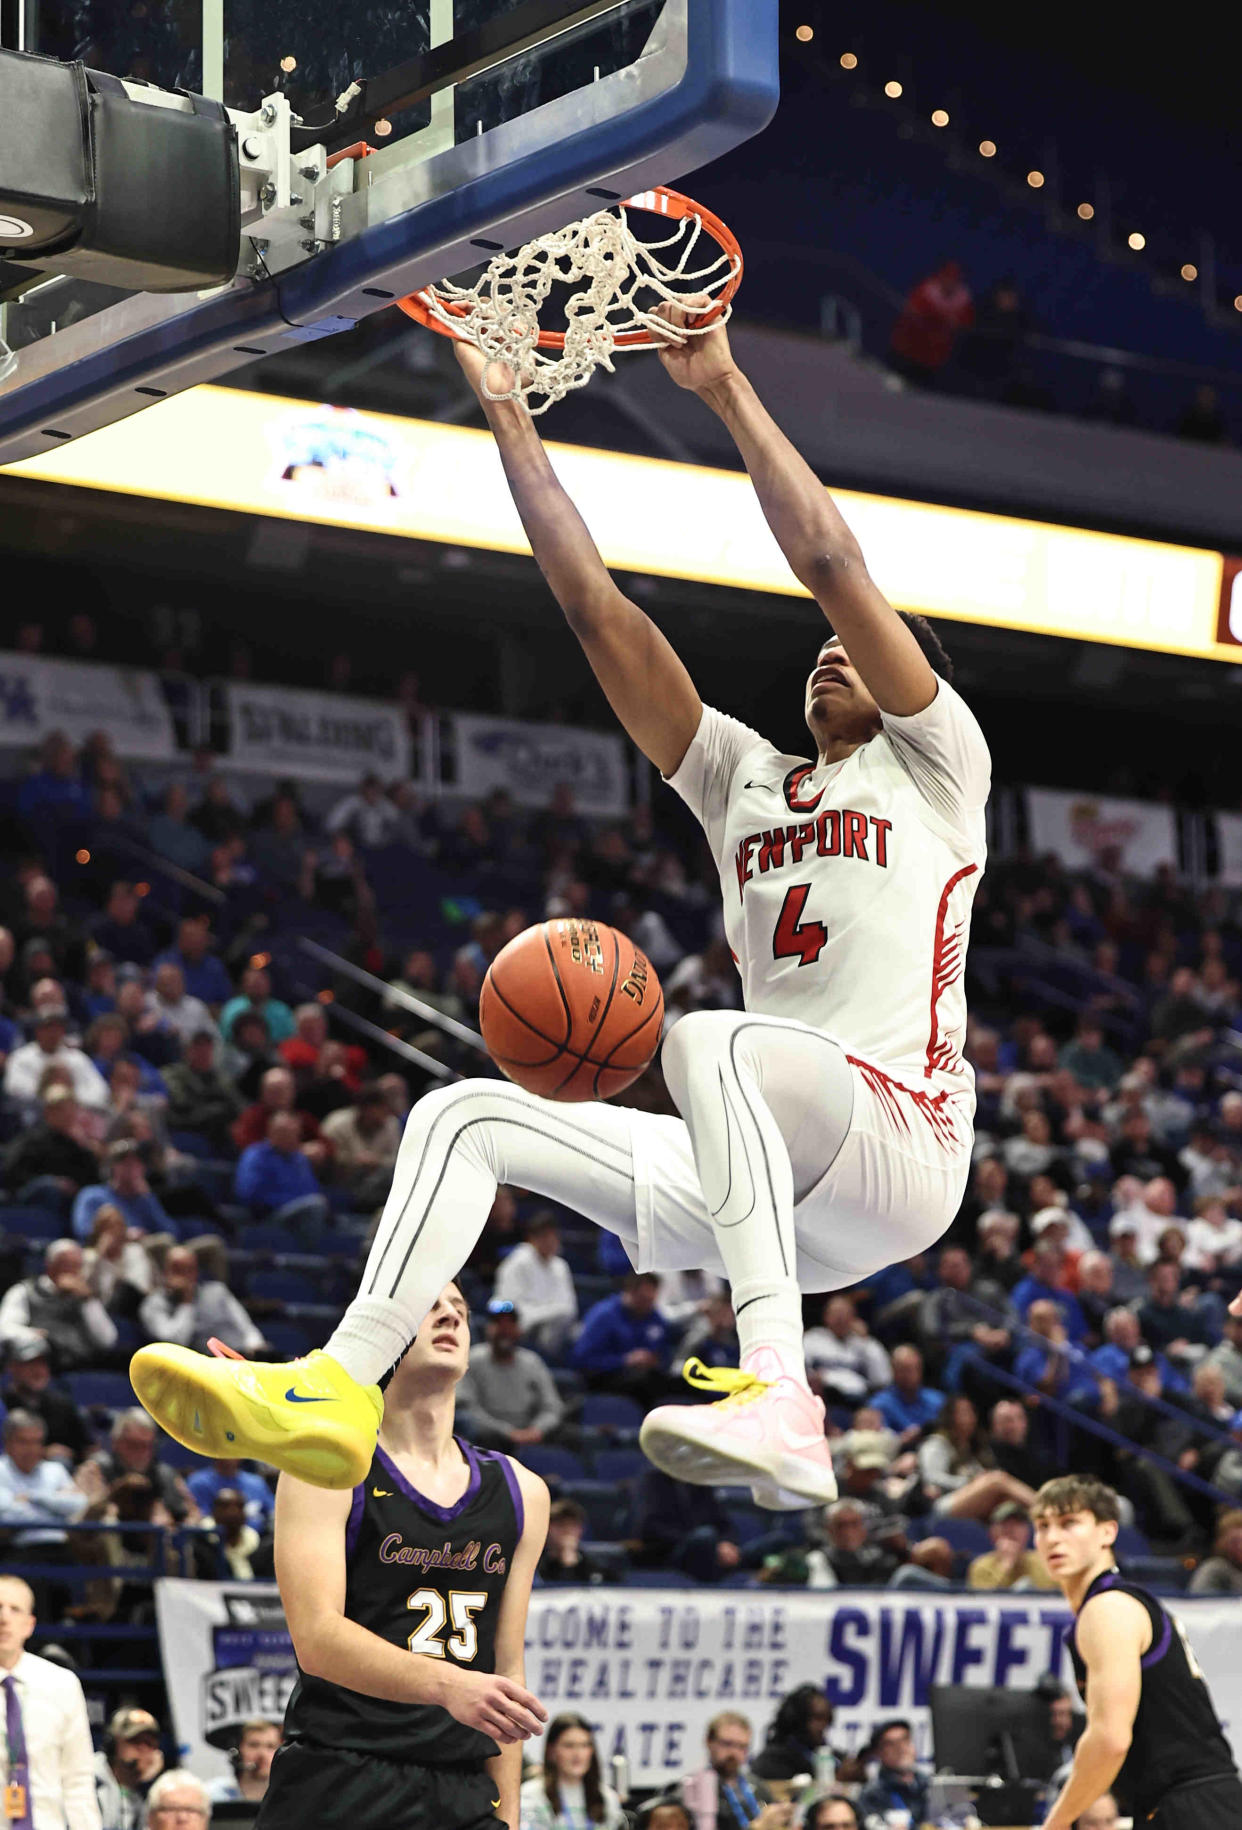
(1074, 1235)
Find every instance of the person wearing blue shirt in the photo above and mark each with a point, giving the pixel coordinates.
(275, 1179)
(259, 1498)
(127, 1188)
(256, 994)
(625, 1343)
(1051, 1364)
(1041, 1286)
(1123, 1336)
(204, 974)
(55, 789)
(907, 1405)
(897, 1786)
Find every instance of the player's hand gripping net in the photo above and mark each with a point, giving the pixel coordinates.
(619, 284)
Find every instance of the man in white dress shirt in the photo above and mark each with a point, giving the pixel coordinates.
(540, 1285)
(47, 1771)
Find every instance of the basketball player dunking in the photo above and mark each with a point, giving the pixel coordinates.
(825, 1131)
(1151, 1727)
(432, 1554)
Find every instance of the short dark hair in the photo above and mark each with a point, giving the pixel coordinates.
(1078, 1493)
(927, 639)
(561, 1510)
(886, 1728)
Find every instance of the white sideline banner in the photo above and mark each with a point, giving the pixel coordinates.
(649, 1667)
(528, 760)
(1229, 845)
(1086, 829)
(328, 737)
(38, 696)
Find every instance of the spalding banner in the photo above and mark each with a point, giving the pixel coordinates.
(650, 1668)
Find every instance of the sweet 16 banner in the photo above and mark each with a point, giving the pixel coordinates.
(38, 696)
(649, 1668)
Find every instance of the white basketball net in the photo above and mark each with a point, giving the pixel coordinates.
(610, 268)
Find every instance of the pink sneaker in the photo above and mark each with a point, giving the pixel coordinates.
(766, 1431)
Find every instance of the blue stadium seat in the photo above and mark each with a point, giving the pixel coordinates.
(611, 1411)
(33, 1223)
(112, 1390)
(967, 1536)
(1131, 1542)
(746, 1524)
(658, 1579)
(605, 1505)
(619, 1464)
(256, 1238)
(288, 1338)
(551, 1461)
(280, 1286)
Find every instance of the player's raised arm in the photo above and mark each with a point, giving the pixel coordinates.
(809, 528)
(1113, 1633)
(506, 1768)
(310, 1568)
(643, 679)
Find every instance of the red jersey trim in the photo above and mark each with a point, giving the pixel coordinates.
(933, 1108)
(947, 959)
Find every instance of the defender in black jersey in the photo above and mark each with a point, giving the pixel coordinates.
(407, 1600)
(1152, 1734)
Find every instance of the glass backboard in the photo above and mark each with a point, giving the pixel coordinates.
(640, 94)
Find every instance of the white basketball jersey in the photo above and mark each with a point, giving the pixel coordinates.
(848, 887)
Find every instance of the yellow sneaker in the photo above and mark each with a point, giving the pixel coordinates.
(305, 1416)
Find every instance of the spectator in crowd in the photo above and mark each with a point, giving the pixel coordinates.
(1049, 1362)
(535, 1278)
(256, 997)
(218, 816)
(132, 1450)
(676, 1526)
(176, 1800)
(1214, 1237)
(26, 1066)
(1046, 1283)
(625, 1343)
(28, 1387)
(855, 1556)
(367, 815)
(201, 1098)
(897, 1785)
(50, 1156)
(1170, 1324)
(364, 1139)
(46, 933)
(172, 1006)
(260, 1502)
(711, 1337)
(172, 834)
(1009, 1440)
(126, 1189)
(797, 1740)
(117, 1267)
(278, 1092)
(570, 1789)
(55, 789)
(238, 1538)
(843, 1361)
(420, 978)
(1226, 1355)
(1011, 1563)
(508, 1393)
(276, 1182)
(1102, 1815)
(936, 311)
(190, 1310)
(202, 972)
(564, 1559)
(1221, 1573)
(47, 1727)
(1129, 1271)
(57, 1309)
(120, 930)
(1095, 1293)
(303, 1050)
(1089, 1058)
(725, 1793)
(38, 1494)
(998, 1266)
(957, 1469)
(129, 1763)
(258, 1743)
(836, 1812)
(908, 1406)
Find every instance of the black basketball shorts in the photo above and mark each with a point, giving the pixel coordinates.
(321, 1788)
(1215, 1805)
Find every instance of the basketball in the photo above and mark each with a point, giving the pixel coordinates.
(571, 1010)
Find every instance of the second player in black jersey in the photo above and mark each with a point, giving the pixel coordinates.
(407, 1600)
(1152, 1731)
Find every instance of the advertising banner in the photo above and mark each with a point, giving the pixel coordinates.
(1229, 847)
(279, 730)
(649, 1668)
(1089, 829)
(530, 759)
(38, 696)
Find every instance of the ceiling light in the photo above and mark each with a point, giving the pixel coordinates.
(1137, 241)
(1035, 180)
(848, 61)
(940, 117)
(288, 65)
(892, 91)
(987, 149)
(1190, 271)
(1086, 211)
(804, 34)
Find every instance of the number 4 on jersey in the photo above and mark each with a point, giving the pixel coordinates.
(795, 938)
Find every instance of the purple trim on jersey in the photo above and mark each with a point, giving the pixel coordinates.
(515, 1493)
(443, 1514)
(1151, 1657)
(1161, 1647)
(354, 1523)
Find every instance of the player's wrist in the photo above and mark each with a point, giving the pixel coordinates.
(719, 393)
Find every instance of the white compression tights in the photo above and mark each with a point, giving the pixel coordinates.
(766, 1104)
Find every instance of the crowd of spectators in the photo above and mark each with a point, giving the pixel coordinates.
(194, 1145)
